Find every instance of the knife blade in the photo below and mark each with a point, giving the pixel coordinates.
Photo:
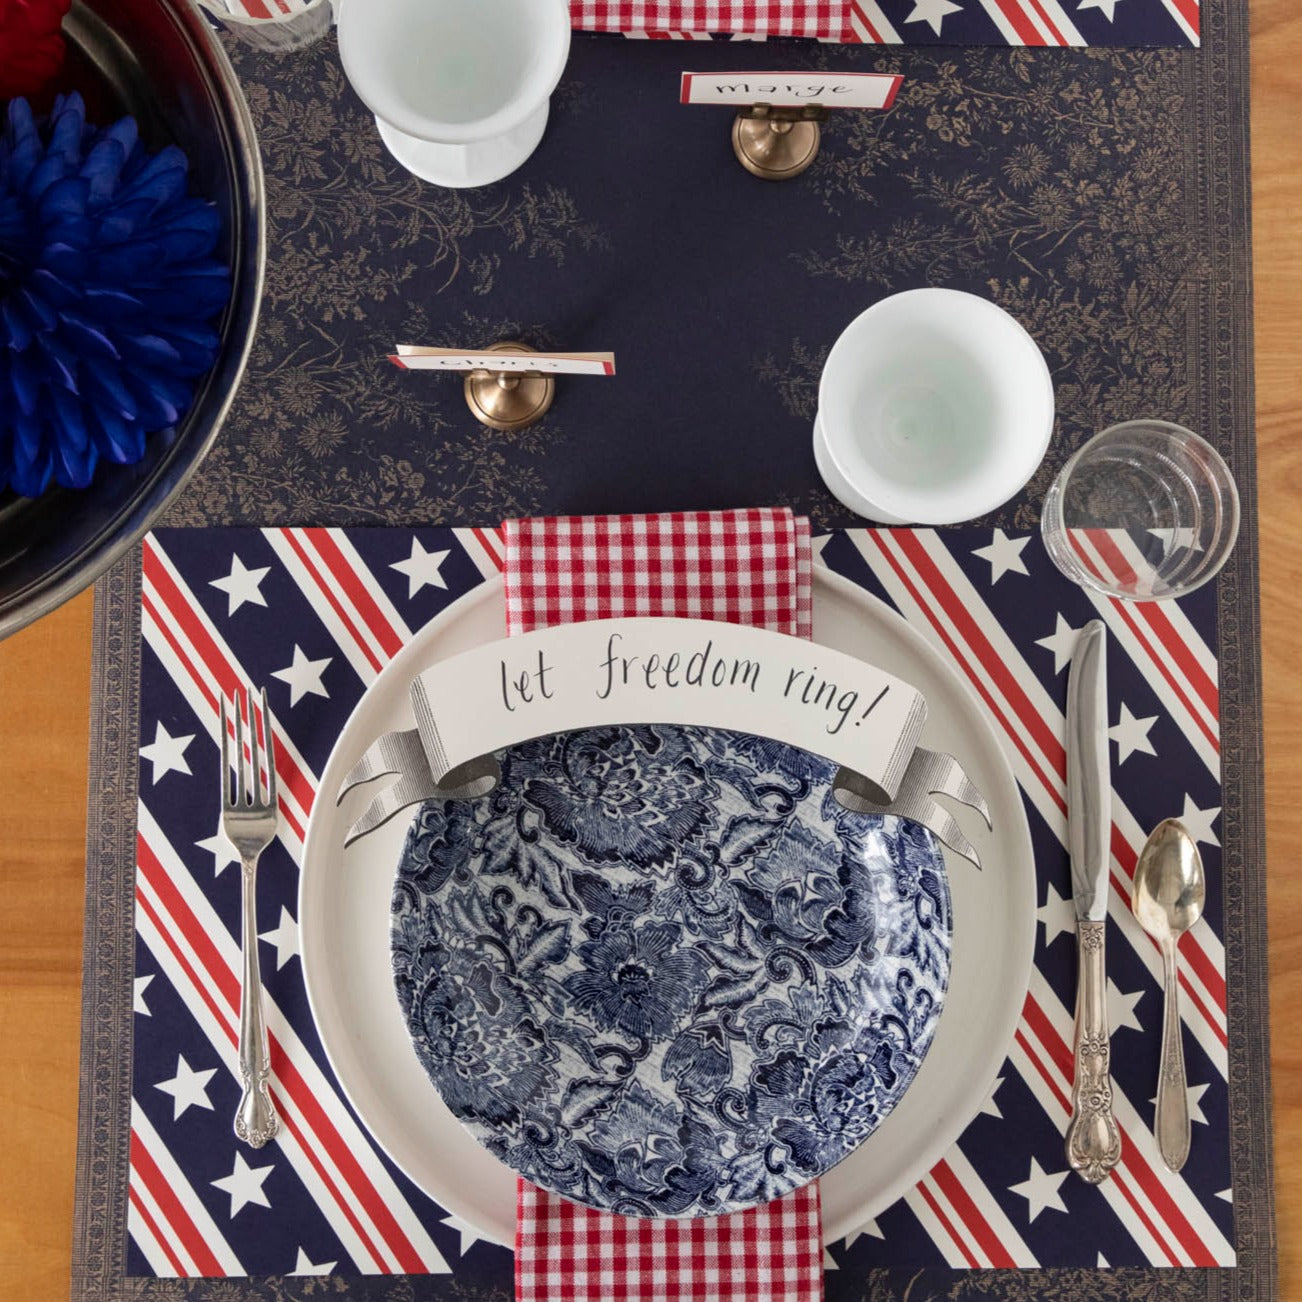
(1093, 1140)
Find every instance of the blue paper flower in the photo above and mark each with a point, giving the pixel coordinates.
(108, 292)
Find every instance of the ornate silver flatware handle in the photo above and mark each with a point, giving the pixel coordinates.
(1172, 1096)
(1093, 1140)
(255, 1121)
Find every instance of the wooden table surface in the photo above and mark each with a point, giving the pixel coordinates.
(44, 699)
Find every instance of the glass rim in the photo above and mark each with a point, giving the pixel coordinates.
(1216, 558)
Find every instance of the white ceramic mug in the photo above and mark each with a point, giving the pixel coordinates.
(460, 89)
(935, 407)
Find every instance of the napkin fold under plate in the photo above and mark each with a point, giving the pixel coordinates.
(742, 567)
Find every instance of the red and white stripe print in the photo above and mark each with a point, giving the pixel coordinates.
(1151, 1201)
(327, 1149)
(329, 1153)
(964, 1220)
(198, 659)
(1032, 22)
(1161, 662)
(1187, 16)
(262, 9)
(869, 25)
(347, 598)
(931, 591)
(164, 1215)
(485, 547)
(364, 623)
(1161, 640)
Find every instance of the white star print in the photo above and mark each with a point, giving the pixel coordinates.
(990, 1107)
(138, 988)
(303, 676)
(1062, 642)
(242, 586)
(1199, 821)
(422, 568)
(188, 1088)
(1227, 1194)
(1108, 7)
(1121, 1009)
(932, 12)
(221, 850)
(1041, 1190)
(1103, 1263)
(868, 1228)
(166, 753)
(469, 1235)
(244, 1184)
(1194, 1094)
(1131, 735)
(303, 1265)
(285, 938)
(1058, 913)
(1004, 555)
(829, 1261)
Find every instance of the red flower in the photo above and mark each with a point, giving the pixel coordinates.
(31, 44)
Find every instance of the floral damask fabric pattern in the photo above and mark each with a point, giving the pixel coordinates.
(662, 971)
(1058, 186)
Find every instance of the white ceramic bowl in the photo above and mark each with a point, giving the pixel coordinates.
(935, 407)
(460, 89)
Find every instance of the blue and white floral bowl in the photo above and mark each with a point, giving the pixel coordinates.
(661, 971)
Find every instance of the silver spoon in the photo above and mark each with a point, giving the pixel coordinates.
(1168, 897)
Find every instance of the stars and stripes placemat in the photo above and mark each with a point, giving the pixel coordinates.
(903, 22)
(871, 22)
(315, 615)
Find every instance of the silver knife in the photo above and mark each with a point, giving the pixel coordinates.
(1093, 1140)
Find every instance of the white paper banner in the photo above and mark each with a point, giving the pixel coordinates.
(679, 671)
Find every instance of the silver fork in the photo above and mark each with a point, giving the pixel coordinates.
(249, 824)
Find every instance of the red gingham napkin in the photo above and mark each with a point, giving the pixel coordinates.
(817, 18)
(567, 1253)
(742, 567)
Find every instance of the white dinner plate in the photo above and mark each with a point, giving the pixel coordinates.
(343, 914)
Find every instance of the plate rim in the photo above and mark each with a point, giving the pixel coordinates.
(1019, 941)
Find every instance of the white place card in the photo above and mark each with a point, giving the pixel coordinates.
(681, 671)
(414, 358)
(843, 90)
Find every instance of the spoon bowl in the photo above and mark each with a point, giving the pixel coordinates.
(1170, 885)
(1170, 890)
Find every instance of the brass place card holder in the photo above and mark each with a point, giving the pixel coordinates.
(507, 394)
(509, 400)
(777, 131)
(777, 144)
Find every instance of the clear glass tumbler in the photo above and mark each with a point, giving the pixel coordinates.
(281, 25)
(1144, 511)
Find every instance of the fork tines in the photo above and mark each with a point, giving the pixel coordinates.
(242, 797)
